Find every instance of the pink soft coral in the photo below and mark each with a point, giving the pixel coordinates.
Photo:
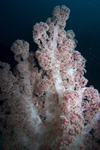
(49, 108)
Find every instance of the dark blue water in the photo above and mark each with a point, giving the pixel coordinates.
(17, 18)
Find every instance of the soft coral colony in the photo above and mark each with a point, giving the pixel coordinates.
(50, 107)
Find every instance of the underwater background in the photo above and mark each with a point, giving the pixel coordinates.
(17, 18)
